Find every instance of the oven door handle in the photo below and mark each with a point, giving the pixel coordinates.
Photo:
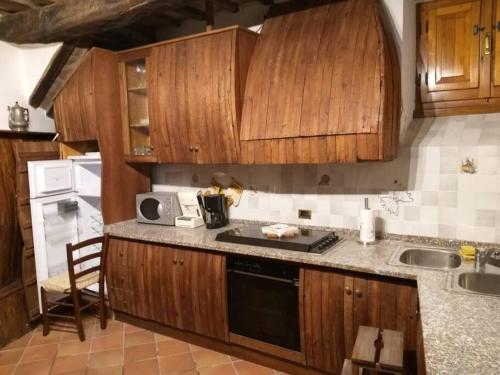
(293, 282)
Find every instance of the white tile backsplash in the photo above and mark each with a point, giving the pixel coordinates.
(444, 202)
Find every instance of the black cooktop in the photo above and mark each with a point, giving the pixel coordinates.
(308, 240)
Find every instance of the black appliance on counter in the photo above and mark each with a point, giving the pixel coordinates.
(263, 298)
(214, 209)
(308, 240)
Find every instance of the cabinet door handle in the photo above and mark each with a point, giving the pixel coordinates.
(196, 149)
(181, 262)
(191, 148)
(487, 44)
(348, 291)
(174, 261)
(358, 293)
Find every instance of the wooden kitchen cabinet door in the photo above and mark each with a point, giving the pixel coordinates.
(198, 84)
(160, 267)
(495, 65)
(74, 108)
(454, 55)
(201, 286)
(323, 311)
(125, 277)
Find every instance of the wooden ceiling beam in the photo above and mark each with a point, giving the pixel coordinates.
(71, 19)
(16, 5)
(55, 66)
(228, 5)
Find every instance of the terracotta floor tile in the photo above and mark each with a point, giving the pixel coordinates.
(105, 343)
(74, 348)
(52, 338)
(160, 338)
(138, 338)
(114, 370)
(8, 357)
(140, 352)
(78, 372)
(112, 328)
(130, 328)
(248, 368)
(7, 370)
(63, 365)
(34, 368)
(106, 359)
(148, 367)
(209, 358)
(176, 363)
(226, 369)
(195, 347)
(71, 336)
(19, 343)
(189, 372)
(172, 347)
(39, 353)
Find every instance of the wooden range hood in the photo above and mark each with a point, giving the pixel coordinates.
(323, 87)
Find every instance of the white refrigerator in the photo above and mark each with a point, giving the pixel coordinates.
(65, 199)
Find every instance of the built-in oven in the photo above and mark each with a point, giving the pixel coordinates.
(263, 299)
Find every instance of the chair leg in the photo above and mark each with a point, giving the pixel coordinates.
(45, 311)
(78, 317)
(103, 312)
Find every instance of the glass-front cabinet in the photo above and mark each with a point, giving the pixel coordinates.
(136, 108)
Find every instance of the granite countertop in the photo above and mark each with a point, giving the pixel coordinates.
(461, 331)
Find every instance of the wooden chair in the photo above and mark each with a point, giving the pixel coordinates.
(376, 350)
(73, 283)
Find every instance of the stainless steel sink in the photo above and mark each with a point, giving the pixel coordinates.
(439, 259)
(479, 282)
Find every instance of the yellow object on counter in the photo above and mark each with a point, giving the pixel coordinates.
(467, 252)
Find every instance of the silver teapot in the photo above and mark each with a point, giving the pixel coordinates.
(19, 117)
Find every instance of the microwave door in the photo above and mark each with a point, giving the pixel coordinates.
(55, 223)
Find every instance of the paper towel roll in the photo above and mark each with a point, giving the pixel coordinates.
(366, 225)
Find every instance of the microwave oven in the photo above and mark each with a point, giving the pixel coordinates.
(157, 208)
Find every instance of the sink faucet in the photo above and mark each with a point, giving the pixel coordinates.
(482, 256)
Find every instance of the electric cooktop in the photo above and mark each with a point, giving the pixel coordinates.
(308, 240)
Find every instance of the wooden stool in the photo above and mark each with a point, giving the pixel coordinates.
(376, 349)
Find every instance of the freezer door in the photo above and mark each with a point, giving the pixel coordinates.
(50, 177)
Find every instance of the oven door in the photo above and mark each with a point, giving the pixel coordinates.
(264, 308)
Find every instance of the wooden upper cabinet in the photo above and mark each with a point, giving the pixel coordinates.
(135, 85)
(457, 57)
(196, 98)
(453, 33)
(88, 108)
(74, 107)
(323, 86)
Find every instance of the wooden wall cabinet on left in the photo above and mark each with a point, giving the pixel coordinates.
(88, 108)
(181, 99)
(74, 106)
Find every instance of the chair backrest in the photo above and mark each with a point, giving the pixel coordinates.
(81, 261)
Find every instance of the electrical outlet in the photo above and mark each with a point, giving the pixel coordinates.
(305, 214)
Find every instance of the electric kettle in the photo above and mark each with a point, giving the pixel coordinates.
(19, 117)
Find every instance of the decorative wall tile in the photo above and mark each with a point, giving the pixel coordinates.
(485, 218)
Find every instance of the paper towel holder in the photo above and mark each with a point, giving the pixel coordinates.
(367, 236)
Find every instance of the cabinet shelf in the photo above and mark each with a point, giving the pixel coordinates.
(139, 125)
(138, 90)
